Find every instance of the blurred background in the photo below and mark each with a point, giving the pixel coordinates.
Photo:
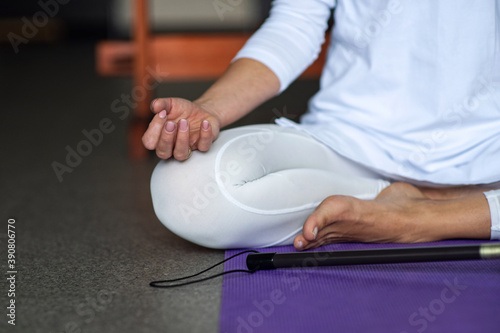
(87, 240)
(51, 38)
(95, 19)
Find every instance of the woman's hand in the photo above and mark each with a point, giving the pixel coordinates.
(401, 213)
(180, 126)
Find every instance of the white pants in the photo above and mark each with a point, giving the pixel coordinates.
(255, 187)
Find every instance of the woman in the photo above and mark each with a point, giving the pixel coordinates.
(400, 144)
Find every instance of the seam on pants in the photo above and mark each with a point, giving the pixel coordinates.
(241, 205)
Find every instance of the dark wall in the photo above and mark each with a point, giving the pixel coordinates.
(81, 18)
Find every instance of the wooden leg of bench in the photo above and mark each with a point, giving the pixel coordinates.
(142, 113)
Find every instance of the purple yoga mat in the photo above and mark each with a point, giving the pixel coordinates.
(452, 296)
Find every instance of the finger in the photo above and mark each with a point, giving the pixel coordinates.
(167, 140)
(153, 133)
(205, 139)
(160, 104)
(181, 149)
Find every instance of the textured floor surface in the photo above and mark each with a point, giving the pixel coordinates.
(88, 243)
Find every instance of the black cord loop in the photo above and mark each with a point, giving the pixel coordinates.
(161, 283)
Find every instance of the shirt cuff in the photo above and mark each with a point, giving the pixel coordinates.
(493, 198)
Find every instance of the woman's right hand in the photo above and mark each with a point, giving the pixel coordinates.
(180, 126)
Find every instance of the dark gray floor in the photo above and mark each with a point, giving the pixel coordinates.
(88, 246)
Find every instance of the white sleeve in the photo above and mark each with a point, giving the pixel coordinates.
(493, 198)
(291, 37)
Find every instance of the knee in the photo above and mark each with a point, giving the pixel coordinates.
(203, 199)
(194, 208)
(188, 202)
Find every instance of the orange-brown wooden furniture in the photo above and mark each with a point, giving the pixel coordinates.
(169, 57)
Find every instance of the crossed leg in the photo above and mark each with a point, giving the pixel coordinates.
(255, 187)
(266, 185)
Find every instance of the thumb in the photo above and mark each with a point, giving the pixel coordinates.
(160, 104)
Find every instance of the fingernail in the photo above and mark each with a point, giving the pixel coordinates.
(162, 114)
(183, 125)
(300, 245)
(151, 106)
(205, 124)
(315, 232)
(170, 126)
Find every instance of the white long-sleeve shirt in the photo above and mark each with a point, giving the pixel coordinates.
(410, 88)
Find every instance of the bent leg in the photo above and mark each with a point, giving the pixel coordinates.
(254, 188)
